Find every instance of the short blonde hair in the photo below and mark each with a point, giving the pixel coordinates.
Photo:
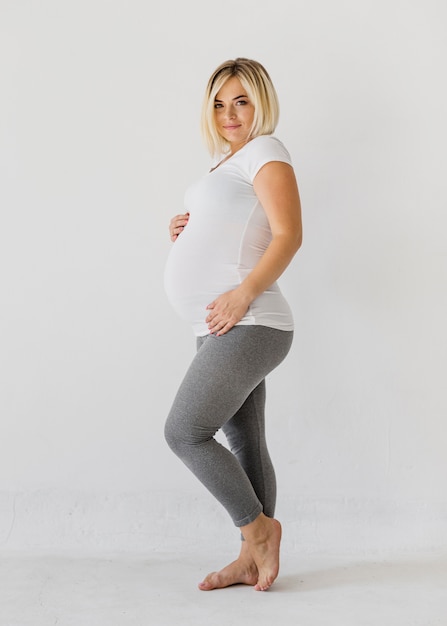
(256, 80)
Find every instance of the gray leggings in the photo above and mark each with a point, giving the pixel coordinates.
(224, 387)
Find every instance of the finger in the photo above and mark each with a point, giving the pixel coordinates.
(178, 222)
(213, 328)
(175, 231)
(217, 326)
(228, 326)
(211, 317)
(213, 325)
(180, 216)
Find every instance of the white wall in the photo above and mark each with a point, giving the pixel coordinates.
(99, 138)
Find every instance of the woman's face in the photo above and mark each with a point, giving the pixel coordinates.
(234, 113)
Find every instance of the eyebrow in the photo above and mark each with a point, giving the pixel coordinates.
(236, 98)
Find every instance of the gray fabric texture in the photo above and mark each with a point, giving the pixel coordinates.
(224, 388)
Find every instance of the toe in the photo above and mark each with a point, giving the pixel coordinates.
(207, 584)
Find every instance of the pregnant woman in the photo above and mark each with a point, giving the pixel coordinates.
(240, 229)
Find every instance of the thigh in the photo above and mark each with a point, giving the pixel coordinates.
(226, 370)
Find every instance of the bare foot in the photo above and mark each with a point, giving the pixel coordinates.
(263, 537)
(242, 571)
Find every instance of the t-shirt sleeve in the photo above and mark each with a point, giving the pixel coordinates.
(262, 150)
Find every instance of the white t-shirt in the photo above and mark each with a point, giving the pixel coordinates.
(226, 235)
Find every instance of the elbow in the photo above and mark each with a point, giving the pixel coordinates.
(289, 241)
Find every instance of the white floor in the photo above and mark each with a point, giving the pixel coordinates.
(160, 589)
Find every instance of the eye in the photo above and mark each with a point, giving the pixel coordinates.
(218, 105)
(242, 102)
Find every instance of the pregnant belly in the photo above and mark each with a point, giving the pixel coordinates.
(192, 281)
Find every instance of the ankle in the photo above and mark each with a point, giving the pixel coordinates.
(257, 531)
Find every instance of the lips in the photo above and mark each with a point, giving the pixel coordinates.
(232, 127)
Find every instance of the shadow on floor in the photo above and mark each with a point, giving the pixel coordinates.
(426, 572)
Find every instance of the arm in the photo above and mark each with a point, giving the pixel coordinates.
(277, 190)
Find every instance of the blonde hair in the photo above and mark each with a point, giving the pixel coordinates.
(256, 80)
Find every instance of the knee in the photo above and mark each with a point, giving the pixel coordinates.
(181, 433)
(177, 434)
(171, 435)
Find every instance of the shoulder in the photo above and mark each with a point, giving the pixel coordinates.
(271, 141)
(263, 149)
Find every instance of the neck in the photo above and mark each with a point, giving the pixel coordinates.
(234, 147)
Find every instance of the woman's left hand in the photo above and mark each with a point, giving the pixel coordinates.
(226, 310)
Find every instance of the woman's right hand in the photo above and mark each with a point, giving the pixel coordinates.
(177, 224)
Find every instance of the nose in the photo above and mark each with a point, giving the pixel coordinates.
(230, 112)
